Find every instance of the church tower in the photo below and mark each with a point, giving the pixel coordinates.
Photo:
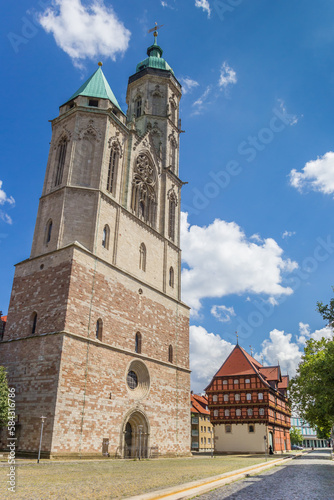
(97, 338)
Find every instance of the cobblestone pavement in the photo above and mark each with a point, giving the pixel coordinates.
(310, 477)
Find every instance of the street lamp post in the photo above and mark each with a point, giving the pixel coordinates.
(40, 440)
(140, 427)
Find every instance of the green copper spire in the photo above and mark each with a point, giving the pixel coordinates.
(98, 87)
(155, 59)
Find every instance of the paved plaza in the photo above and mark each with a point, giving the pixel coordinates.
(308, 477)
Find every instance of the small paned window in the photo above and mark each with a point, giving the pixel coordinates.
(237, 397)
(247, 381)
(249, 412)
(228, 428)
(224, 382)
(142, 257)
(249, 396)
(132, 380)
(170, 354)
(215, 398)
(251, 428)
(238, 412)
(34, 323)
(94, 103)
(261, 411)
(215, 413)
(236, 381)
(98, 332)
(227, 413)
(138, 343)
(260, 396)
(226, 397)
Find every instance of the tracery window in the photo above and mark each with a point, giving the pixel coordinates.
(172, 215)
(138, 107)
(172, 155)
(144, 198)
(112, 169)
(60, 161)
(142, 257)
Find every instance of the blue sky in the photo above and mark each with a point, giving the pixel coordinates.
(257, 111)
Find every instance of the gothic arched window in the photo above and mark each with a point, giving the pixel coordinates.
(171, 277)
(172, 216)
(48, 232)
(170, 354)
(98, 332)
(156, 104)
(112, 169)
(144, 199)
(60, 161)
(142, 257)
(105, 237)
(172, 155)
(138, 107)
(138, 343)
(172, 112)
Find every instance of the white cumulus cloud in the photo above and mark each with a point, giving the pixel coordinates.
(207, 353)
(220, 260)
(222, 313)
(200, 104)
(317, 175)
(227, 76)
(85, 31)
(5, 199)
(188, 84)
(203, 4)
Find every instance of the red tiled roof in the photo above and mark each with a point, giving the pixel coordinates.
(239, 362)
(271, 372)
(285, 382)
(199, 403)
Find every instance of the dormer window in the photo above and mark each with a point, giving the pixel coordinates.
(94, 103)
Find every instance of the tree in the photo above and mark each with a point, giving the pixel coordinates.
(3, 397)
(312, 389)
(296, 436)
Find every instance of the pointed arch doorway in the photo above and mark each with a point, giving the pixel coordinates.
(135, 435)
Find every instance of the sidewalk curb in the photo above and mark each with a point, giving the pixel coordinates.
(194, 488)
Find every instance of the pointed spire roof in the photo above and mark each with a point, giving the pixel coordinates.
(97, 86)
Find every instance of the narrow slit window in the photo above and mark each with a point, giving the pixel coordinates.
(105, 237)
(170, 354)
(138, 343)
(112, 170)
(48, 232)
(142, 257)
(34, 323)
(171, 277)
(98, 332)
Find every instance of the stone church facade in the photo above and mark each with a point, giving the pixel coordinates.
(97, 338)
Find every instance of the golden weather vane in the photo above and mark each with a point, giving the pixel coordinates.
(251, 349)
(155, 29)
(237, 338)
